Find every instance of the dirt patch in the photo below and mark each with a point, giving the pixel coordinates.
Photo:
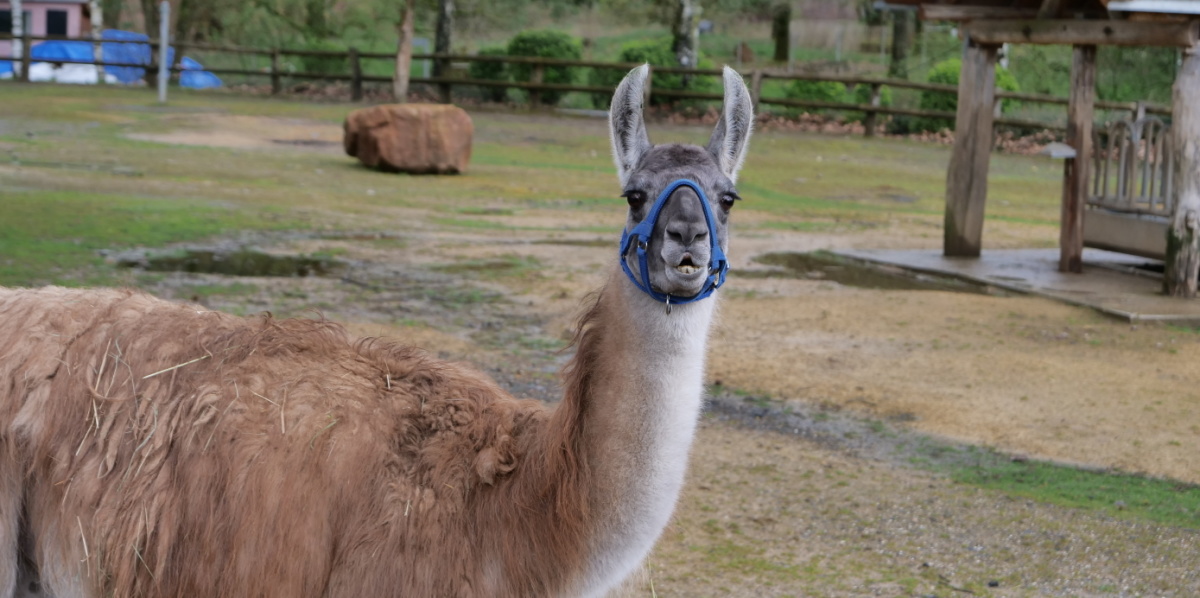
(250, 132)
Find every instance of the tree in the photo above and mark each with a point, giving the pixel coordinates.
(150, 17)
(781, 21)
(902, 34)
(404, 52)
(441, 44)
(686, 31)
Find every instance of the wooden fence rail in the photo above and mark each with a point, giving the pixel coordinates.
(536, 86)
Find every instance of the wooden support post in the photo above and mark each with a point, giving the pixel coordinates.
(276, 76)
(869, 121)
(1183, 237)
(1080, 112)
(535, 94)
(356, 81)
(26, 58)
(966, 179)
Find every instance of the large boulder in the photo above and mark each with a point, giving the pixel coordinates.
(413, 138)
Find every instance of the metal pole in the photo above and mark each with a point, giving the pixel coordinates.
(164, 50)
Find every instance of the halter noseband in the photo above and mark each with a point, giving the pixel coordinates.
(717, 264)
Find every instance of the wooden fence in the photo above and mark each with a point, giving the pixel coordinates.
(536, 86)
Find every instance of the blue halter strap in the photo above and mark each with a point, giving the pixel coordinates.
(639, 238)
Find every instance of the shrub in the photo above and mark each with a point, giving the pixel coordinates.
(546, 44)
(815, 91)
(324, 65)
(491, 71)
(947, 72)
(655, 52)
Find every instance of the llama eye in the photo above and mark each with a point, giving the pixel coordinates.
(636, 199)
(727, 200)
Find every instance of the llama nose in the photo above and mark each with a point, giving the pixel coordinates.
(687, 232)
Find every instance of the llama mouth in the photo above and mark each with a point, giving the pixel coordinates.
(687, 269)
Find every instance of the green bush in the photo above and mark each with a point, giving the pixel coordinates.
(546, 44)
(655, 52)
(491, 71)
(814, 91)
(861, 94)
(946, 72)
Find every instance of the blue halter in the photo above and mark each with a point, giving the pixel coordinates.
(717, 265)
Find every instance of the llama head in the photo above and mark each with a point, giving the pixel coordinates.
(680, 243)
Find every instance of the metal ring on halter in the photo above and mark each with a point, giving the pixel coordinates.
(717, 264)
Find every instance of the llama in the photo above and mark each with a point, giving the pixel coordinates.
(159, 449)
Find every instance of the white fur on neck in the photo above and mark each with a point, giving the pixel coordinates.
(671, 357)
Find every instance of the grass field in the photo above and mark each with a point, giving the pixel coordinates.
(91, 172)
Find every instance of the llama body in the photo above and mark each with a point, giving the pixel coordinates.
(154, 449)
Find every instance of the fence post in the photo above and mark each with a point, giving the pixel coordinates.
(26, 50)
(869, 121)
(1139, 110)
(356, 82)
(276, 80)
(535, 94)
(756, 79)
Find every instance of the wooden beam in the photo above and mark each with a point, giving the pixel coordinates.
(967, 174)
(1084, 33)
(1049, 9)
(951, 12)
(1080, 112)
(1183, 237)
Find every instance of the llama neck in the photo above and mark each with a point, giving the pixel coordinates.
(637, 380)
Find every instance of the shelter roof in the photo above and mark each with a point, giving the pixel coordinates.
(963, 10)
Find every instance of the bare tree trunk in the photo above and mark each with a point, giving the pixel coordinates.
(404, 53)
(150, 16)
(902, 34)
(441, 45)
(781, 22)
(687, 34)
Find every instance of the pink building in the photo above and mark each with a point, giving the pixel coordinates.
(46, 17)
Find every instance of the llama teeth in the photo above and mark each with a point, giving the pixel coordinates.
(685, 269)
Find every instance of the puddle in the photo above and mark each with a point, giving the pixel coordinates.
(822, 265)
(242, 262)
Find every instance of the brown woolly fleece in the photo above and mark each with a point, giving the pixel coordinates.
(156, 449)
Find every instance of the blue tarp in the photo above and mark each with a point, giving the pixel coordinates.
(193, 76)
(126, 54)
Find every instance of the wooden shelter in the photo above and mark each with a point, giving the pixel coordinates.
(1084, 24)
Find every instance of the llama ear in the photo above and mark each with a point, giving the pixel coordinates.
(626, 126)
(732, 135)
